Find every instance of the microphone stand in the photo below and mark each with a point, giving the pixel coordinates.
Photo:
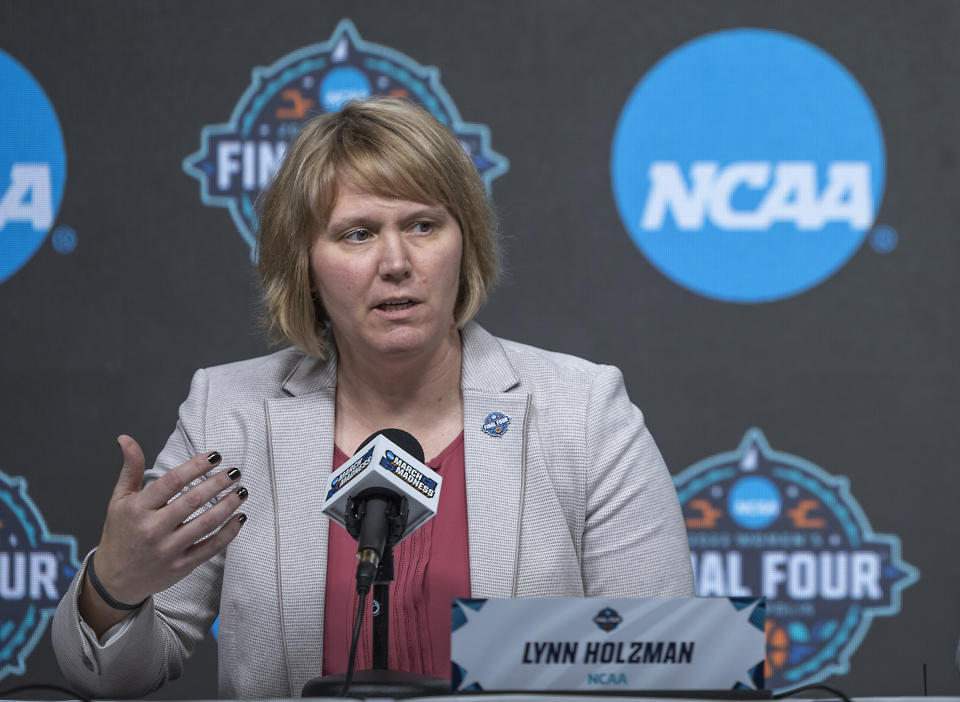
(381, 610)
(380, 681)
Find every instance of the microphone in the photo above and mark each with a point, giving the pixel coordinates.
(381, 495)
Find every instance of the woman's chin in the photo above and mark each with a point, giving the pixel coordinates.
(406, 343)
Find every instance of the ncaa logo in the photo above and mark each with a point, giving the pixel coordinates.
(765, 523)
(238, 159)
(33, 166)
(35, 570)
(748, 165)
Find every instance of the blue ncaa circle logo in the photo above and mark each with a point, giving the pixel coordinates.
(748, 165)
(754, 502)
(341, 85)
(33, 166)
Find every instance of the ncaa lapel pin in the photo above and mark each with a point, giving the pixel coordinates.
(496, 424)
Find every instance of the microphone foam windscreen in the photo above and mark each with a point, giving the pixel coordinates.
(401, 438)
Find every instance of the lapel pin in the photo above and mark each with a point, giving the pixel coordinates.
(496, 424)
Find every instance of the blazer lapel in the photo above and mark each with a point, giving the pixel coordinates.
(300, 432)
(494, 463)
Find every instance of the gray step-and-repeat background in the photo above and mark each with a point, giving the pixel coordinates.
(749, 207)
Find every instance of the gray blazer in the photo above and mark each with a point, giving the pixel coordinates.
(572, 500)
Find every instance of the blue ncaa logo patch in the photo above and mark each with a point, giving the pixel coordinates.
(35, 570)
(748, 165)
(238, 159)
(496, 424)
(33, 166)
(765, 523)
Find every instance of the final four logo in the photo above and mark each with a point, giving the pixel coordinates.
(608, 619)
(35, 570)
(766, 523)
(238, 159)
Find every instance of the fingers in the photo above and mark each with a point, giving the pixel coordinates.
(202, 526)
(200, 496)
(131, 474)
(160, 492)
(213, 544)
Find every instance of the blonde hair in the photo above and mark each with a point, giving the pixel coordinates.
(390, 148)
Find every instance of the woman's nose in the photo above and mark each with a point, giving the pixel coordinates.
(394, 257)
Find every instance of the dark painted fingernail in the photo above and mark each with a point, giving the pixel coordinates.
(242, 493)
(241, 517)
(214, 457)
(233, 473)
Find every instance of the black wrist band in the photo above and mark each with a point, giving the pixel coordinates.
(102, 591)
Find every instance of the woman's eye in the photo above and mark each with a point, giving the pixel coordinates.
(357, 235)
(423, 227)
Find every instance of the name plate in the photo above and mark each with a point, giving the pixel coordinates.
(597, 643)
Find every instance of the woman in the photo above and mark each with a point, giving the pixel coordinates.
(377, 247)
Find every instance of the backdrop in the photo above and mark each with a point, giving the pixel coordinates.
(749, 207)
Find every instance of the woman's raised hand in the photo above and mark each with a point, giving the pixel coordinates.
(147, 545)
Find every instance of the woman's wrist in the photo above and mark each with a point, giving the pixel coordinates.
(93, 611)
(102, 591)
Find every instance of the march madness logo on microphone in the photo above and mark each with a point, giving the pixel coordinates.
(766, 523)
(238, 159)
(349, 473)
(36, 568)
(408, 474)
